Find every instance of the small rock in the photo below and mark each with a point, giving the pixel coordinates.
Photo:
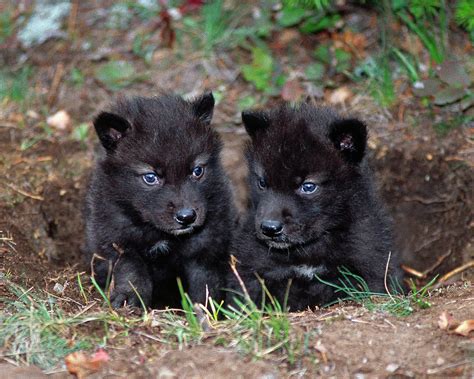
(60, 120)
(440, 361)
(32, 114)
(58, 288)
(392, 367)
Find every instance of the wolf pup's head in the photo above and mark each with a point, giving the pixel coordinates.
(161, 163)
(306, 164)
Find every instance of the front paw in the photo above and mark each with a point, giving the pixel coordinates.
(131, 285)
(127, 295)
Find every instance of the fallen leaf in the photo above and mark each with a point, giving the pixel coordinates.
(81, 365)
(446, 321)
(321, 349)
(340, 95)
(428, 87)
(449, 95)
(454, 74)
(60, 120)
(465, 328)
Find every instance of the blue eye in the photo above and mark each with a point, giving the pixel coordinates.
(262, 184)
(198, 171)
(150, 178)
(309, 187)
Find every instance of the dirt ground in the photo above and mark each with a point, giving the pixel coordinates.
(426, 180)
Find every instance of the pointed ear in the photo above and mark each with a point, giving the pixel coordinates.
(255, 121)
(350, 138)
(110, 128)
(203, 107)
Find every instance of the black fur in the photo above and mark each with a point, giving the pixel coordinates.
(342, 223)
(131, 226)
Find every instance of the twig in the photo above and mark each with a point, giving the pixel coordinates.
(202, 318)
(457, 270)
(426, 201)
(149, 336)
(451, 365)
(389, 323)
(71, 23)
(233, 263)
(24, 193)
(55, 83)
(438, 262)
(386, 274)
(412, 271)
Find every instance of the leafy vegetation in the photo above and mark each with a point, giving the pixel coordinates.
(14, 85)
(117, 74)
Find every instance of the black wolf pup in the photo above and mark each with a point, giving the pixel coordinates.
(159, 205)
(314, 208)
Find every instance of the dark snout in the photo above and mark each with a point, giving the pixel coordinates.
(271, 228)
(185, 216)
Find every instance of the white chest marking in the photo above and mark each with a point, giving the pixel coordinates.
(308, 272)
(160, 247)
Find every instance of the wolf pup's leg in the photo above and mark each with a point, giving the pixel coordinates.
(131, 282)
(204, 281)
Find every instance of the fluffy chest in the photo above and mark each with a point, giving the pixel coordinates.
(308, 272)
(303, 272)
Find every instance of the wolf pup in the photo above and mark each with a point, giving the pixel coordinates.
(159, 205)
(314, 208)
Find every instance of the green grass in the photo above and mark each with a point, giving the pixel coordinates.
(35, 330)
(352, 287)
(14, 85)
(220, 28)
(6, 25)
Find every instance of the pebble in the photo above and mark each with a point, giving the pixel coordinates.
(392, 367)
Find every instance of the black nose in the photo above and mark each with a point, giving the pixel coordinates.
(271, 228)
(185, 216)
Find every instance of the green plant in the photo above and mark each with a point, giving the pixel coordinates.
(218, 27)
(378, 74)
(117, 74)
(421, 17)
(6, 25)
(14, 85)
(450, 123)
(464, 14)
(308, 4)
(143, 48)
(407, 63)
(311, 16)
(263, 330)
(260, 71)
(77, 77)
(352, 287)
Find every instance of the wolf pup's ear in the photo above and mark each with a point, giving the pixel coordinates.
(110, 128)
(350, 138)
(254, 121)
(203, 107)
